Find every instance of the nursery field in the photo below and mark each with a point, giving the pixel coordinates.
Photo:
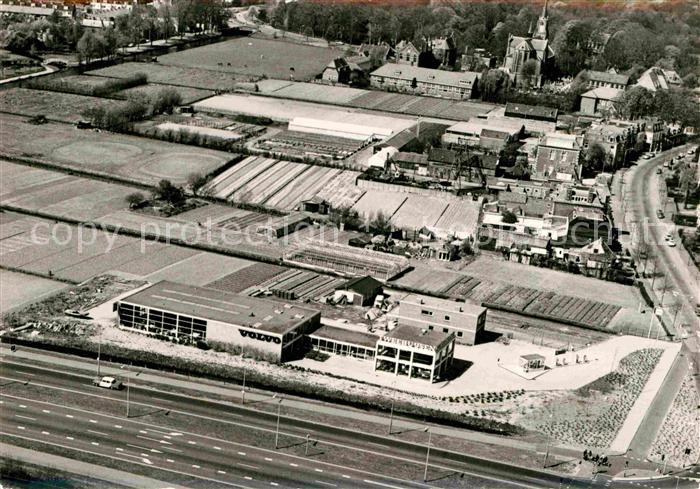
(375, 201)
(107, 153)
(199, 269)
(188, 94)
(280, 184)
(65, 107)
(58, 193)
(461, 218)
(19, 289)
(310, 144)
(296, 284)
(325, 94)
(247, 277)
(258, 57)
(419, 211)
(174, 75)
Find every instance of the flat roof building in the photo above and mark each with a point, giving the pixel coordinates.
(341, 341)
(187, 314)
(415, 353)
(466, 320)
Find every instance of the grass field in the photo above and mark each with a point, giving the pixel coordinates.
(18, 289)
(175, 75)
(109, 153)
(54, 105)
(249, 56)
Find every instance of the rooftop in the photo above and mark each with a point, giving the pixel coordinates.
(561, 141)
(201, 302)
(607, 77)
(362, 285)
(434, 339)
(444, 304)
(464, 79)
(524, 110)
(346, 336)
(416, 158)
(603, 93)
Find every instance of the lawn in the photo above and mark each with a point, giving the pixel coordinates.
(249, 56)
(54, 105)
(136, 158)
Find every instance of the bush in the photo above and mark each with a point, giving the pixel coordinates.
(102, 89)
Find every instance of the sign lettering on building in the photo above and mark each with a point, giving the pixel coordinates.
(410, 344)
(256, 335)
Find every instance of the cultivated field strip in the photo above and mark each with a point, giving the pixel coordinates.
(295, 170)
(303, 188)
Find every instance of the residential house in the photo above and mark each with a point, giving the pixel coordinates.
(656, 78)
(425, 81)
(559, 157)
(654, 135)
(413, 164)
(534, 47)
(377, 53)
(595, 258)
(406, 53)
(599, 101)
(347, 70)
(606, 79)
(444, 51)
(532, 188)
(619, 139)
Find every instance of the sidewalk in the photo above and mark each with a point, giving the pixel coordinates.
(85, 469)
(639, 410)
(234, 394)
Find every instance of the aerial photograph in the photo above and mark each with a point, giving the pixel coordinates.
(377, 244)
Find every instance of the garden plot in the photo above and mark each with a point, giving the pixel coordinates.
(108, 153)
(461, 219)
(19, 179)
(257, 57)
(325, 94)
(418, 211)
(303, 187)
(545, 279)
(427, 106)
(293, 170)
(371, 99)
(188, 95)
(154, 257)
(428, 279)
(376, 201)
(239, 175)
(464, 111)
(249, 276)
(262, 181)
(175, 75)
(285, 110)
(54, 105)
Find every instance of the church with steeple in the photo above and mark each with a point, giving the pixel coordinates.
(534, 47)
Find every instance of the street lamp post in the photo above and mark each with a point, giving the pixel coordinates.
(243, 390)
(128, 386)
(306, 450)
(277, 430)
(99, 351)
(427, 455)
(391, 412)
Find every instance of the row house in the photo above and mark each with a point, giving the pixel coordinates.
(606, 79)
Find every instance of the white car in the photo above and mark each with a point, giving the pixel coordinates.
(671, 242)
(108, 383)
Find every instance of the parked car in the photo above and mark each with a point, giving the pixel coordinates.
(660, 214)
(76, 314)
(108, 383)
(646, 157)
(671, 242)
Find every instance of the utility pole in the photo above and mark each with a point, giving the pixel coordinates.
(277, 430)
(243, 390)
(306, 450)
(99, 350)
(391, 413)
(427, 456)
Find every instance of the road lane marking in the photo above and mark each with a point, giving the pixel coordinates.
(318, 470)
(174, 471)
(22, 406)
(119, 449)
(345, 476)
(217, 448)
(153, 439)
(267, 459)
(45, 433)
(248, 466)
(20, 427)
(326, 483)
(382, 484)
(274, 484)
(293, 464)
(241, 453)
(70, 438)
(118, 426)
(196, 466)
(257, 428)
(147, 461)
(220, 472)
(143, 432)
(46, 411)
(25, 417)
(173, 449)
(97, 432)
(192, 442)
(170, 460)
(93, 421)
(95, 443)
(69, 416)
(247, 477)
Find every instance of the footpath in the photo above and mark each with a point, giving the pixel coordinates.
(98, 472)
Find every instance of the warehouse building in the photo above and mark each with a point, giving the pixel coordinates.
(466, 320)
(345, 130)
(188, 314)
(415, 353)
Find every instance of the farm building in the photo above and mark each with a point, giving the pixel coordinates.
(316, 205)
(339, 129)
(484, 134)
(426, 81)
(346, 260)
(282, 226)
(360, 291)
(182, 312)
(466, 320)
(415, 353)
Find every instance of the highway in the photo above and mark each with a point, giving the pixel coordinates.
(189, 457)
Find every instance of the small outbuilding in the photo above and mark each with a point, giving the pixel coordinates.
(360, 291)
(532, 361)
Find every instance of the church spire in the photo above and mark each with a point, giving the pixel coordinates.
(544, 10)
(542, 24)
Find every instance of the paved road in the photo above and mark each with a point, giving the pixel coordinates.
(201, 460)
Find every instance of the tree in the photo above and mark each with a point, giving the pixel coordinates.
(635, 103)
(529, 72)
(381, 224)
(135, 200)
(196, 181)
(508, 217)
(165, 100)
(345, 217)
(595, 158)
(494, 85)
(169, 193)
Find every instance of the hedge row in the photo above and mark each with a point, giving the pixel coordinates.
(101, 89)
